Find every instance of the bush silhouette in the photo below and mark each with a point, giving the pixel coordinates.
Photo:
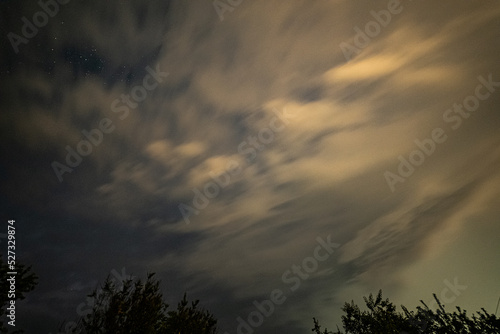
(382, 318)
(138, 307)
(25, 281)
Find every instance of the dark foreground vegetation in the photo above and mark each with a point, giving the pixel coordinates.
(381, 317)
(136, 306)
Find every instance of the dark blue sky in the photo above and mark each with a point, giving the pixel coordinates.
(303, 152)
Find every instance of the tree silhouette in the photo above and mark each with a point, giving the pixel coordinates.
(25, 281)
(137, 307)
(382, 318)
(188, 319)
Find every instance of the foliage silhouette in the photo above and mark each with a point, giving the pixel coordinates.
(188, 319)
(134, 307)
(382, 318)
(26, 281)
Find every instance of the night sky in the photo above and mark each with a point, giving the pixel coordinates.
(310, 152)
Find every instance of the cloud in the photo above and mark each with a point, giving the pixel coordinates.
(320, 174)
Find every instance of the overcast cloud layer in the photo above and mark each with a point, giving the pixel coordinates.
(304, 138)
